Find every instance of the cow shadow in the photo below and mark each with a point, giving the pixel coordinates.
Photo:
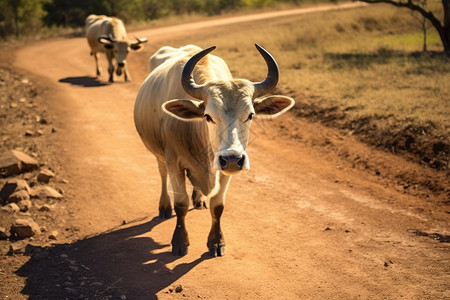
(84, 81)
(111, 265)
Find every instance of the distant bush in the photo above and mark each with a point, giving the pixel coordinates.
(22, 17)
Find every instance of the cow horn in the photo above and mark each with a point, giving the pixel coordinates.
(187, 81)
(140, 40)
(111, 38)
(267, 85)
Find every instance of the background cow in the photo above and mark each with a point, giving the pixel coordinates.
(108, 35)
(204, 139)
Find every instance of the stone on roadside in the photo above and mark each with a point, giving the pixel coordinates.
(179, 288)
(14, 162)
(12, 186)
(3, 233)
(53, 235)
(24, 205)
(44, 192)
(17, 247)
(45, 207)
(11, 208)
(18, 196)
(24, 228)
(45, 175)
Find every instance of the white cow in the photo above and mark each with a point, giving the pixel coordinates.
(203, 139)
(108, 35)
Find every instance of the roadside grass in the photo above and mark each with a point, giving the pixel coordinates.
(362, 70)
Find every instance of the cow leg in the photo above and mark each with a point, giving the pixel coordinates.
(165, 208)
(110, 57)
(97, 66)
(180, 239)
(198, 199)
(216, 241)
(126, 75)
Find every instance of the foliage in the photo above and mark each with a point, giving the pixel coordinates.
(19, 17)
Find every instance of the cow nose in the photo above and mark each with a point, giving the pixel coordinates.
(121, 64)
(232, 162)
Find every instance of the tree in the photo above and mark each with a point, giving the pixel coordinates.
(22, 15)
(443, 29)
(424, 24)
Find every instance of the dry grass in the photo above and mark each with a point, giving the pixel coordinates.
(367, 58)
(364, 63)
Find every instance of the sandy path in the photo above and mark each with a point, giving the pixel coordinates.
(297, 225)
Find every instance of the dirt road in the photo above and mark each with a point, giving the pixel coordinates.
(300, 225)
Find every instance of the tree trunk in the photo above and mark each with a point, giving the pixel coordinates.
(16, 20)
(446, 29)
(424, 27)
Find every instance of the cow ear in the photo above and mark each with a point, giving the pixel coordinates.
(183, 109)
(272, 106)
(135, 47)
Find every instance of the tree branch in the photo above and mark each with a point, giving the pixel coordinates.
(409, 4)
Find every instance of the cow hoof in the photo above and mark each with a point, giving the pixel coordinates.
(165, 213)
(179, 251)
(214, 251)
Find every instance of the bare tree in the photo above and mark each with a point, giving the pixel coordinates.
(443, 29)
(423, 23)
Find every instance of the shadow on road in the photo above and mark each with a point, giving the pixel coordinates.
(84, 81)
(114, 264)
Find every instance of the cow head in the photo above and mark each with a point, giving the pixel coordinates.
(228, 107)
(120, 49)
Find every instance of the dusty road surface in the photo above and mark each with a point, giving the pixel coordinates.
(301, 224)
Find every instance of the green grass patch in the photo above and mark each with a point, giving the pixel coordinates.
(415, 40)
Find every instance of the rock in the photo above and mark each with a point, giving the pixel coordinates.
(11, 208)
(45, 207)
(12, 186)
(23, 247)
(45, 175)
(15, 162)
(21, 185)
(53, 235)
(24, 205)
(18, 196)
(24, 228)
(71, 291)
(179, 288)
(17, 248)
(3, 233)
(74, 268)
(96, 284)
(43, 192)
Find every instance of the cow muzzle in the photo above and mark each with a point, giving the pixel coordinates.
(120, 67)
(231, 163)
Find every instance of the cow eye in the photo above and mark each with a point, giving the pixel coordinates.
(209, 119)
(250, 117)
